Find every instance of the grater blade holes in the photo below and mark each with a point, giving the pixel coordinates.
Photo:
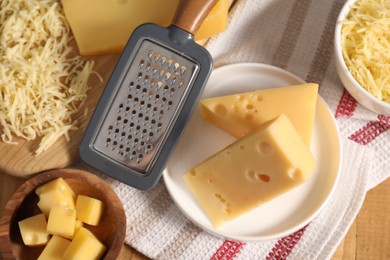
(143, 108)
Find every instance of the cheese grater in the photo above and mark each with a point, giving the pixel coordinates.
(149, 98)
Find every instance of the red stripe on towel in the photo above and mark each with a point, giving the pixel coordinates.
(371, 130)
(228, 250)
(285, 245)
(347, 105)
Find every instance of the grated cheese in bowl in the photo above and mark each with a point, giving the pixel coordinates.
(42, 84)
(365, 43)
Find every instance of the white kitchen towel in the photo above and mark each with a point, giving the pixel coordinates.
(296, 35)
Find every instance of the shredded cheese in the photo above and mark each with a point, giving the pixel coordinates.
(42, 83)
(365, 40)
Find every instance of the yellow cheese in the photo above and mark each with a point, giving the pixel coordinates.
(89, 210)
(61, 221)
(77, 225)
(264, 164)
(54, 249)
(55, 193)
(33, 230)
(84, 246)
(105, 26)
(216, 21)
(240, 113)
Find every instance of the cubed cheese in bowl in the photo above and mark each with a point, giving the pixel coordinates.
(107, 232)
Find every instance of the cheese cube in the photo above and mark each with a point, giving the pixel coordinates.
(77, 225)
(241, 113)
(54, 249)
(84, 246)
(61, 221)
(262, 165)
(55, 193)
(33, 230)
(103, 27)
(89, 210)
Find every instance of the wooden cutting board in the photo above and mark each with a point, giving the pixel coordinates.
(20, 160)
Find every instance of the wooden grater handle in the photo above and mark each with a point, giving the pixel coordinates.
(190, 14)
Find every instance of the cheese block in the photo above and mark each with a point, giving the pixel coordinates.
(54, 249)
(258, 167)
(55, 193)
(33, 230)
(84, 246)
(61, 221)
(105, 26)
(239, 114)
(89, 210)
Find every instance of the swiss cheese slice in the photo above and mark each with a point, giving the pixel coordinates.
(240, 113)
(105, 26)
(262, 165)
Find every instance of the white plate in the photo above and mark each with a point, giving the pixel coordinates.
(286, 213)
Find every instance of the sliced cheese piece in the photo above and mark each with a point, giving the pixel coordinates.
(84, 246)
(240, 113)
(55, 193)
(262, 165)
(54, 249)
(89, 210)
(33, 230)
(103, 27)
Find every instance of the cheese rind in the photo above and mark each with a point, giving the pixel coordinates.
(54, 249)
(33, 230)
(84, 246)
(264, 164)
(239, 114)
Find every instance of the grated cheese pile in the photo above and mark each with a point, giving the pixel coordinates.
(365, 40)
(41, 84)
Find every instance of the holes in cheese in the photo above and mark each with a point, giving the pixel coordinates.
(61, 221)
(63, 232)
(33, 230)
(262, 165)
(239, 114)
(55, 193)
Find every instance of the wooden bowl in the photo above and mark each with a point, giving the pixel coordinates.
(23, 203)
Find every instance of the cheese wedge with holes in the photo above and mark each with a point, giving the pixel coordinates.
(262, 165)
(240, 113)
(103, 27)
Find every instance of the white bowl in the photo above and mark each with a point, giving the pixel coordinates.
(353, 87)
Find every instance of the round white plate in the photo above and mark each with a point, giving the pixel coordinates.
(282, 215)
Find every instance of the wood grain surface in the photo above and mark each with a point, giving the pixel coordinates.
(368, 237)
(20, 160)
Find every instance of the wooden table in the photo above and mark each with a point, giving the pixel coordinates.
(368, 237)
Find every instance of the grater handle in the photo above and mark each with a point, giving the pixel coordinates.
(190, 14)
